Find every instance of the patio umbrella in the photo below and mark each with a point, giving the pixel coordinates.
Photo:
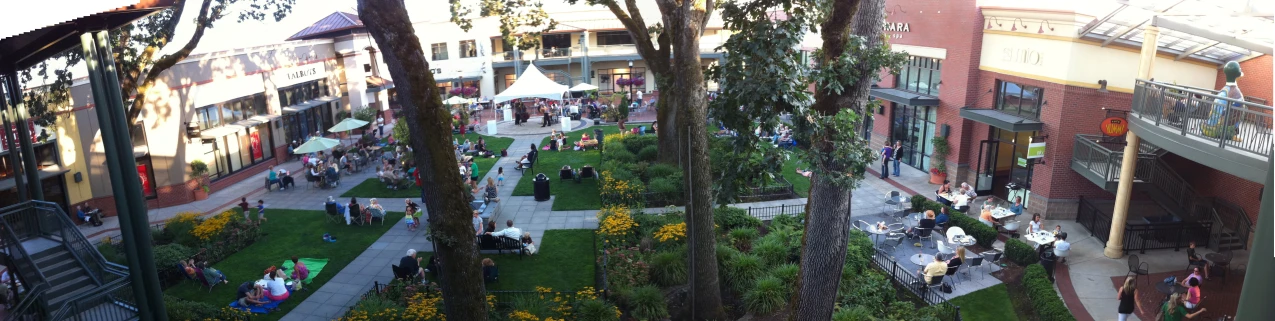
(347, 125)
(584, 87)
(316, 144)
(455, 100)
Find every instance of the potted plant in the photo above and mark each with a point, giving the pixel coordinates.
(938, 161)
(199, 170)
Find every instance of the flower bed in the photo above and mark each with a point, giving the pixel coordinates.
(190, 235)
(401, 300)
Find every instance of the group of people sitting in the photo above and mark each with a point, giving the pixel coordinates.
(509, 231)
(88, 214)
(276, 285)
(280, 177)
(940, 266)
(354, 212)
(478, 149)
(960, 200)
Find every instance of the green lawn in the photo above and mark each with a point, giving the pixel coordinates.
(565, 263)
(800, 184)
(987, 304)
(291, 232)
(373, 188)
(570, 196)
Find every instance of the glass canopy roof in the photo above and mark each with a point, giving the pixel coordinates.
(1246, 21)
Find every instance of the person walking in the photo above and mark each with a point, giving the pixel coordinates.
(887, 154)
(1128, 296)
(898, 149)
(380, 126)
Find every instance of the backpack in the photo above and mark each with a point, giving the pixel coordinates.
(946, 288)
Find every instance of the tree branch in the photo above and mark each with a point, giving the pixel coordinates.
(170, 60)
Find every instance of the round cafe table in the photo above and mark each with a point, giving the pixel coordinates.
(1040, 237)
(1168, 289)
(964, 240)
(921, 259)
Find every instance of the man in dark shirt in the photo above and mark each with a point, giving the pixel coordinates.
(250, 294)
(411, 264)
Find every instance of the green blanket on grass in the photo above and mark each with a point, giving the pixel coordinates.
(315, 266)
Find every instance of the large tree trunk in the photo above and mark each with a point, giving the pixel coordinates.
(445, 200)
(684, 21)
(670, 143)
(828, 219)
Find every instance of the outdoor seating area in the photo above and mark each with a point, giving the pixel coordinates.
(911, 246)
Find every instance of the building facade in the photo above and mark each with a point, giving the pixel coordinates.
(998, 82)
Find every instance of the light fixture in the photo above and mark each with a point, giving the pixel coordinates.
(1016, 22)
(989, 22)
(1102, 86)
(1042, 27)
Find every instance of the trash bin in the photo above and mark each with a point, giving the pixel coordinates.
(597, 134)
(542, 187)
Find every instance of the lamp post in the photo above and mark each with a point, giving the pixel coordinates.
(630, 81)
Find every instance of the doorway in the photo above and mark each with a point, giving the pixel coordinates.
(913, 126)
(1002, 161)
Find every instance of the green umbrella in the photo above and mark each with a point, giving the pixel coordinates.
(316, 144)
(347, 125)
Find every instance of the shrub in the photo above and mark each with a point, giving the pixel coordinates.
(110, 253)
(725, 254)
(626, 268)
(871, 289)
(167, 256)
(649, 154)
(662, 170)
(181, 226)
(598, 310)
(772, 251)
(855, 263)
(213, 226)
(786, 220)
(612, 147)
(786, 272)
(730, 218)
(647, 303)
(766, 296)
(622, 156)
(672, 232)
(664, 188)
(854, 313)
(743, 237)
(744, 270)
(1049, 307)
(985, 235)
(179, 310)
(668, 268)
(1020, 252)
(374, 304)
(160, 236)
(636, 144)
(918, 203)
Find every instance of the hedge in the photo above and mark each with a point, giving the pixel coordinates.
(1020, 252)
(1049, 307)
(985, 235)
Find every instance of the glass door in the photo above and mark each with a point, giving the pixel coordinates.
(987, 152)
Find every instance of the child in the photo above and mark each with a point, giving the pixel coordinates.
(411, 223)
(500, 176)
(261, 211)
(243, 205)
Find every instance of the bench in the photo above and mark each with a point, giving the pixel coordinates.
(500, 244)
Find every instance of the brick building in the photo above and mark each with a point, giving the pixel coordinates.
(994, 81)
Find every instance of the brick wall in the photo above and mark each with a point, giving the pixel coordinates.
(1257, 78)
(1208, 181)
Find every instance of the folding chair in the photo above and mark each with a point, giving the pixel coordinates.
(376, 214)
(334, 215)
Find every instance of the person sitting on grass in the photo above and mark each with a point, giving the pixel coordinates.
(411, 264)
(276, 285)
(251, 293)
(299, 271)
(528, 244)
(489, 270)
(805, 172)
(212, 275)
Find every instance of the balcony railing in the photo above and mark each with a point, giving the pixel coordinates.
(1230, 123)
(1102, 160)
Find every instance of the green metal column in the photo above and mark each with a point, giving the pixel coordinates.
(24, 138)
(127, 186)
(8, 137)
(1255, 297)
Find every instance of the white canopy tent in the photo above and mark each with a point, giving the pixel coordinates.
(584, 87)
(532, 84)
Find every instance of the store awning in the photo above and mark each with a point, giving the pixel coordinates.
(47, 172)
(1002, 120)
(904, 97)
(255, 120)
(217, 132)
(377, 84)
(310, 104)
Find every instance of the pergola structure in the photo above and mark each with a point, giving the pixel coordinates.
(1212, 31)
(37, 42)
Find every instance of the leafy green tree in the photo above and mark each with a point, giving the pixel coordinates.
(445, 200)
(136, 47)
(763, 76)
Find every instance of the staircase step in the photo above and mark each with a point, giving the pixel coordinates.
(61, 267)
(52, 256)
(60, 293)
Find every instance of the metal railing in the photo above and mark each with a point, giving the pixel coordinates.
(1097, 222)
(113, 301)
(1231, 123)
(770, 212)
(1228, 216)
(778, 190)
(31, 306)
(905, 278)
(1143, 236)
(1105, 159)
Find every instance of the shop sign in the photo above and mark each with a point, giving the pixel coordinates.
(894, 29)
(1022, 162)
(144, 174)
(255, 141)
(1035, 150)
(13, 130)
(298, 74)
(1023, 56)
(1114, 126)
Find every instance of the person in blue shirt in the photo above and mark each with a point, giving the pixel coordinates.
(887, 154)
(1017, 208)
(88, 215)
(941, 220)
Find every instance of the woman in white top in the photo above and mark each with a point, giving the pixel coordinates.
(276, 288)
(1035, 224)
(961, 202)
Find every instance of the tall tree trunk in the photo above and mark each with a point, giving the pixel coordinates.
(446, 201)
(670, 143)
(684, 20)
(828, 212)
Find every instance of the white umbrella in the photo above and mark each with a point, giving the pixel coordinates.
(347, 125)
(456, 100)
(584, 87)
(316, 144)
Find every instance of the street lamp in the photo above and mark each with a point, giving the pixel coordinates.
(630, 81)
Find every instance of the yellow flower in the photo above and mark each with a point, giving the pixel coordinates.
(185, 217)
(521, 315)
(212, 226)
(671, 232)
(616, 221)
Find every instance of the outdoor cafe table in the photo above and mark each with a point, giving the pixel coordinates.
(1001, 213)
(914, 220)
(964, 240)
(1168, 289)
(945, 198)
(921, 259)
(875, 230)
(1040, 237)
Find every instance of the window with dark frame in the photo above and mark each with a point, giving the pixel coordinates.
(438, 51)
(921, 75)
(613, 38)
(468, 49)
(1022, 100)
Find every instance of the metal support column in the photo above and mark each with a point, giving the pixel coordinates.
(1255, 297)
(134, 222)
(10, 143)
(19, 111)
(1120, 214)
(585, 67)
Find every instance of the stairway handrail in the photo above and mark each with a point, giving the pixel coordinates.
(79, 237)
(33, 297)
(72, 305)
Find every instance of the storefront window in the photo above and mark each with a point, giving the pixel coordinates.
(302, 92)
(468, 49)
(607, 79)
(509, 80)
(921, 75)
(242, 149)
(913, 126)
(613, 38)
(1021, 100)
(439, 51)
